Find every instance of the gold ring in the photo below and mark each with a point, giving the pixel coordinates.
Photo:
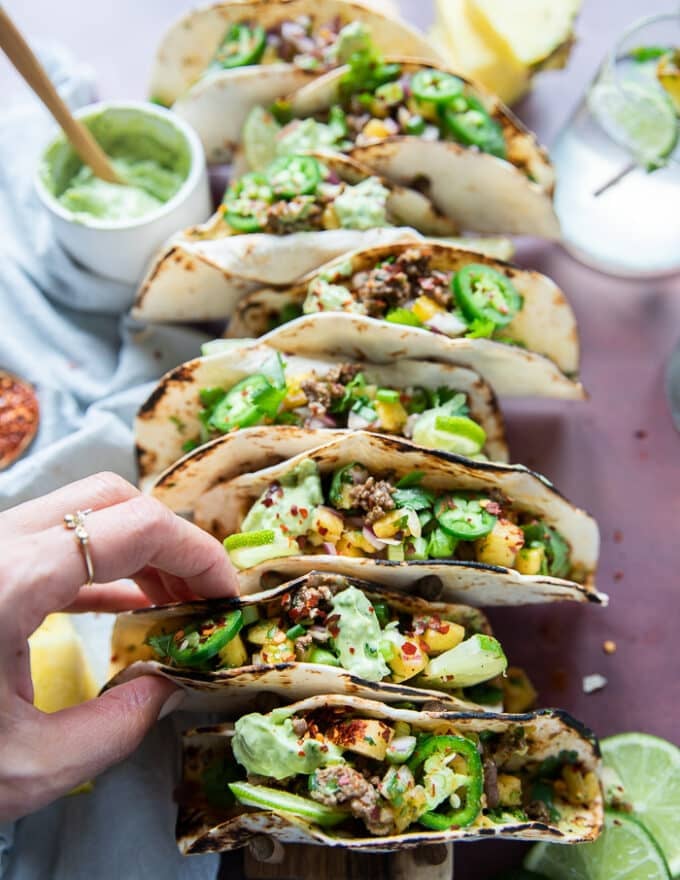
(76, 521)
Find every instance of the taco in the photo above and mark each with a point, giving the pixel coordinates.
(382, 509)
(320, 632)
(424, 126)
(217, 62)
(275, 226)
(427, 301)
(437, 405)
(347, 772)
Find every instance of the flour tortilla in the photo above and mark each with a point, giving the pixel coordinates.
(546, 326)
(202, 828)
(170, 415)
(211, 492)
(235, 691)
(200, 274)
(481, 192)
(217, 103)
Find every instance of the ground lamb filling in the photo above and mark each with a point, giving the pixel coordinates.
(386, 777)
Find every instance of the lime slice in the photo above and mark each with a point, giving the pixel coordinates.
(649, 769)
(637, 116)
(285, 802)
(259, 138)
(624, 851)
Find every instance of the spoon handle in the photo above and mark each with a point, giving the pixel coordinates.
(20, 54)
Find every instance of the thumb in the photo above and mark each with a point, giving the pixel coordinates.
(103, 731)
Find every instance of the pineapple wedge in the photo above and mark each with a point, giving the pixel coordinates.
(59, 669)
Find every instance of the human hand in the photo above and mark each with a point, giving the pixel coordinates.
(42, 569)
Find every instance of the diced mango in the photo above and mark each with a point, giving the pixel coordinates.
(530, 560)
(353, 543)
(509, 790)
(519, 694)
(278, 650)
(443, 637)
(234, 653)
(501, 545)
(326, 526)
(392, 416)
(425, 307)
(375, 128)
(389, 524)
(407, 660)
(365, 736)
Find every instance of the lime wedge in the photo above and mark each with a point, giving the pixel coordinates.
(649, 769)
(259, 138)
(624, 851)
(638, 116)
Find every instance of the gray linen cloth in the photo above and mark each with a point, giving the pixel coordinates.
(61, 328)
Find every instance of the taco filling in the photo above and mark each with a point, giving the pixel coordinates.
(300, 194)
(371, 635)
(300, 41)
(359, 775)
(353, 512)
(340, 398)
(474, 302)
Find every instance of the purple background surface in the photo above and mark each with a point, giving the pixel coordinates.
(617, 454)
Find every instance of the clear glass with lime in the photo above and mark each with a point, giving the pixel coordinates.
(618, 161)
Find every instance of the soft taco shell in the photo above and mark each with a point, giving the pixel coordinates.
(480, 192)
(218, 505)
(200, 274)
(217, 104)
(235, 691)
(201, 828)
(546, 326)
(169, 416)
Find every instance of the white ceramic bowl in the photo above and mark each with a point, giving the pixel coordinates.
(121, 249)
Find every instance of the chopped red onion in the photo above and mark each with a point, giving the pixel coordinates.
(372, 538)
(319, 633)
(330, 548)
(447, 323)
(356, 422)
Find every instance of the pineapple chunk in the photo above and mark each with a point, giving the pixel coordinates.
(580, 788)
(392, 416)
(278, 649)
(442, 637)
(388, 526)
(375, 128)
(530, 560)
(519, 694)
(509, 790)
(425, 307)
(330, 218)
(353, 543)
(408, 657)
(295, 397)
(365, 736)
(326, 526)
(258, 633)
(501, 545)
(234, 653)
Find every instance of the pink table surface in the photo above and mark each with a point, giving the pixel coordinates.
(617, 454)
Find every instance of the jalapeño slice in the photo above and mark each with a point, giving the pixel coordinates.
(435, 86)
(198, 643)
(467, 121)
(291, 176)
(243, 201)
(242, 45)
(240, 408)
(484, 294)
(463, 517)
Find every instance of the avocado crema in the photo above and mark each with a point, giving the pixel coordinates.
(329, 622)
(474, 302)
(368, 514)
(301, 194)
(336, 769)
(340, 397)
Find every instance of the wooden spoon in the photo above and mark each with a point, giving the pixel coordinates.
(20, 54)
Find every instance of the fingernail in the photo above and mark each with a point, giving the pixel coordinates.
(173, 702)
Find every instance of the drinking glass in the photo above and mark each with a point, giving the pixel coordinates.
(617, 159)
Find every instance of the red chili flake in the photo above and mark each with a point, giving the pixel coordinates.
(284, 528)
(322, 530)
(301, 753)
(351, 649)
(294, 509)
(267, 502)
(409, 648)
(304, 513)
